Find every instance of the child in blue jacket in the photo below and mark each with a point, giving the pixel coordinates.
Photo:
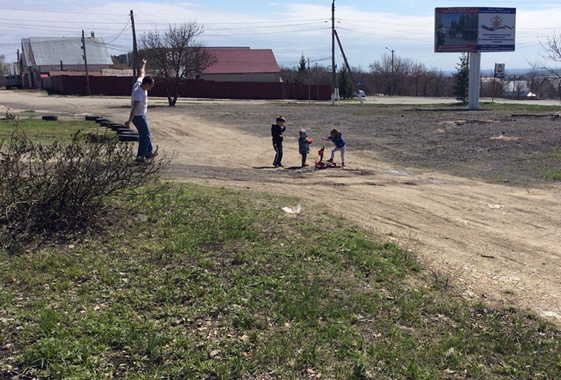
(340, 145)
(304, 146)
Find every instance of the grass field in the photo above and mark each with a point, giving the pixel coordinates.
(206, 283)
(42, 131)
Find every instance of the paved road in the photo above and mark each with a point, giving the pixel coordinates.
(423, 100)
(16, 99)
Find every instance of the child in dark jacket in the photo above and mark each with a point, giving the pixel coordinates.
(276, 132)
(304, 146)
(340, 145)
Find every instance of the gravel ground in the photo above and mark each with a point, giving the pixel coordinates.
(495, 144)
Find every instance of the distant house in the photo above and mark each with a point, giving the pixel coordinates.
(41, 55)
(242, 64)
(516, 89)
(549, 88)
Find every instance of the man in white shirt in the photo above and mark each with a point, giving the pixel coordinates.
(139, 106)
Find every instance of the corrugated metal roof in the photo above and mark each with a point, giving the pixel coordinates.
(242, 61)
(51, 50)
(26, 51)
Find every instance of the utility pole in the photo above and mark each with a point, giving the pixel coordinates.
(135, 72)
(392, 82)
(333, 76)
(86, 64)
(317, 82)
(309, 82)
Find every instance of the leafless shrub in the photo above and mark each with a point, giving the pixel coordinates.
(441, 278)
(63, 187)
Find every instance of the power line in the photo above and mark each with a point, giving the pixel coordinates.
(388, 30)
(284, 22)
(378, 23)
(73, 40)
(263, 33)
(274, 30)
(49, 28)
(59, 21)
(321, 59)
(81, 6)
(290, 24)
(383, 35)
(264, 27)
(119, 35)
(66, 12)
(277, 29)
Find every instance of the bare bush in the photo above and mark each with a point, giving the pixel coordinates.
(63, 187)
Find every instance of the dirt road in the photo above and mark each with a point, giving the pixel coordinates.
(495, 242)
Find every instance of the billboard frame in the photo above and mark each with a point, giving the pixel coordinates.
(474, 29)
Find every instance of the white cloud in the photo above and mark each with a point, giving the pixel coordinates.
(290, 29)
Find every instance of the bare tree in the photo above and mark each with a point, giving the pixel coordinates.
(443, 84)
(552, 52)
(492, 88)
(552, 48)
(406, 77)
(176, 54)
(4, 69)
(395, 71)
(418, 73)
(534, 79)
(318, 74)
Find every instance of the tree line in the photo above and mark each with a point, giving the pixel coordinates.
(398, 76)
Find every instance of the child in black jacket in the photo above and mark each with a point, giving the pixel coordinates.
(277, 131)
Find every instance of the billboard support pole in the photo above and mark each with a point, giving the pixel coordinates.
(474, 83)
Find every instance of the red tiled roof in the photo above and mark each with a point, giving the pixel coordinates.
(242, 61)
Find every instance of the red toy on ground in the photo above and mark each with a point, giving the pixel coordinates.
(322, 165)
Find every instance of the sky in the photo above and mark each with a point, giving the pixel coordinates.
(367, 29)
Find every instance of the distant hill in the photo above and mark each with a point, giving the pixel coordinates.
(489, 72)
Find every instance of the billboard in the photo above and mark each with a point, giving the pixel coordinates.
(499, 70)
(476, 29)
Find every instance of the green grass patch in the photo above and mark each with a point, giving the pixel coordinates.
(521, 106)
(43, 131)
(548, 164)
(206, 283)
